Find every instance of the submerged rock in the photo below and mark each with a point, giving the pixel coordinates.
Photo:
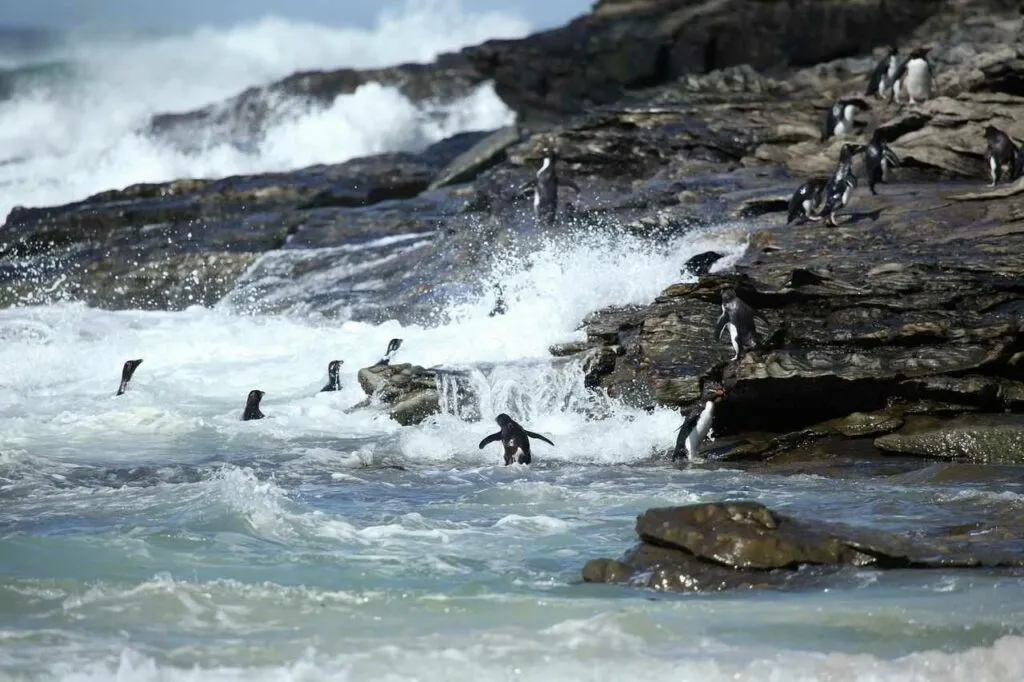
(730, 545)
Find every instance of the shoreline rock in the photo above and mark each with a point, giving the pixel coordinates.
(717, 546)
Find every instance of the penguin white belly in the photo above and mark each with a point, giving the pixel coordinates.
(734, 339)
(700, 431)
(993, 166)
(808, 205)
(846, 195)
(918, 80)
(839, 128)
(536, 199)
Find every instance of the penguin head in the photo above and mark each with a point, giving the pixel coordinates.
(255, 396)
(728, 295)
(503, 419)
(892, 51)
(920, 52)
(393, 345)
(333, 367)
(847, 151)
(129, 368)
(713, 391)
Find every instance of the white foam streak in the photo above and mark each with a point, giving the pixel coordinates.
(77, 134)
(578, 650)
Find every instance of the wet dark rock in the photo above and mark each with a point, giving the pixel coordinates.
(409, 391)
(486, 153)
(980, 438)
(731, 545)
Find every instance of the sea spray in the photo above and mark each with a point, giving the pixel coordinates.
(72, 131)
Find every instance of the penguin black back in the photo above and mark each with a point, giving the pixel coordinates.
(1000, 151)
(805, 199)
(701, 263)
(879, 159)
(333, 378)
(252, 406)
(698, 422)
(880, 79)
(514, 439)
(393, 346)
(127, 370)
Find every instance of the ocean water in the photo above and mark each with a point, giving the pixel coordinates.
(155, 536)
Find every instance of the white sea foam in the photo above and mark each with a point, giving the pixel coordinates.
(77, 135)
(60, 365)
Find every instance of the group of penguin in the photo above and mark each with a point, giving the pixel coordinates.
(514, 438)
(820, 198)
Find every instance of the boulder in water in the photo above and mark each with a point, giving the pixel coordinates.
(728, 545)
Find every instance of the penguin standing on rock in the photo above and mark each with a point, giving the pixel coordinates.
(514, 439)
(839, 117)
(806, 199)
(914, 77)
(840, 185)
(697, 423)
(881, 79)
(1000, 151)
(333, 378)
(738, 318)
(127, 370)
(545, 189)
(252, 406)
(879, 159)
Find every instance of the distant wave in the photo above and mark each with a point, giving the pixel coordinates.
(69, 122)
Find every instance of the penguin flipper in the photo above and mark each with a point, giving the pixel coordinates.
(531, 434)
(723, 319)
(525, 187)
(494, 437)
(889, 155)
(875, 79)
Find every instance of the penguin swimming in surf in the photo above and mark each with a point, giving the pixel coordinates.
(1000, 151)
(514, 439)
(840, 185)
(333, 378)
(545, 189)
(127, 370)
(393, 346)
(839, 117)
(500, 308)
(701, 263)
(913, 77)
(879, 159)
(698, 422)
(252, 406)
(806, 199)
(881, 79)
(738, 318)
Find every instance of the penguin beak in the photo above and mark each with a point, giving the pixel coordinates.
(720, 392)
